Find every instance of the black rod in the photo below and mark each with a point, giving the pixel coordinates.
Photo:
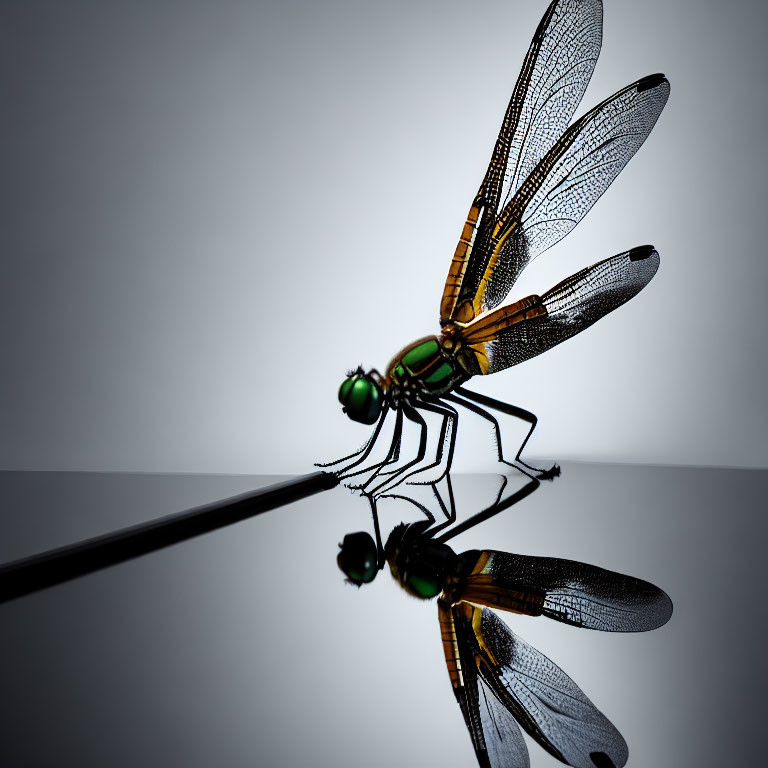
(22, 577)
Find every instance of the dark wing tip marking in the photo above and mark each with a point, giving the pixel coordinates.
(641, 253)
(651, 81)
(601, 760)
(664, 609)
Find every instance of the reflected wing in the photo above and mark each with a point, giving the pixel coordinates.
(568, 591)
(541, 697)
(515, 333)
(495, 735)
(562, 187)
(553, 78)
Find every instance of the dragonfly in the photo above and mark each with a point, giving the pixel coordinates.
(501, 683)
(542, 179)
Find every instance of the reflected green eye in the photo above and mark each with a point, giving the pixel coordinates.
(357, 558)
(361, 397)
(424, 585)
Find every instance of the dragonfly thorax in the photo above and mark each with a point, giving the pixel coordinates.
(419, 564)
(427, 367)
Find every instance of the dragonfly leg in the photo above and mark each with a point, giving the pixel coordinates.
(377, 532)
(378, 467)
(510, 410)
(413, 415)
(365, 449)
(494, 509)
(449, 511)
(447, 437)
(470, 406)
(393, 454)
(449, 422)
(424, 509)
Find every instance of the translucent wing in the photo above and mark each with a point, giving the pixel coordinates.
(495, 734)
(540, 696)
(563, 186)
(515, 333)
(559, 76)
(568, 591)
(553, 78)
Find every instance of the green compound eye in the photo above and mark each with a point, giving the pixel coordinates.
(346, 388)
(361, 397)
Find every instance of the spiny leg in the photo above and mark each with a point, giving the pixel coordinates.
(397, 470)
(393, 459)
(413, 415)
(392, 454)
(450, 512)
(365, 449)
(489, 512)
(470, 406)
(416, 503)
(518, 413)
(510, 410)
(449, 420)
(377, 532)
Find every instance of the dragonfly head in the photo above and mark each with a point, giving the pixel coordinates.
(362, 396)
(357, 558)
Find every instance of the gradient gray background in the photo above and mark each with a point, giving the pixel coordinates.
(212, 211)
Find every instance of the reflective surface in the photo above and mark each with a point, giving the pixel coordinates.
(245, 646)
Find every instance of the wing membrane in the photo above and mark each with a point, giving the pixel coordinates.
(495, 735)
(553, 78)
(568, 181)
(571, 592)
(508, 336)
(565, 184)
(541, 697)
(559, 75)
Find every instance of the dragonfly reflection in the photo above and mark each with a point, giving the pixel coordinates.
(501, 683)
(541, 181)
